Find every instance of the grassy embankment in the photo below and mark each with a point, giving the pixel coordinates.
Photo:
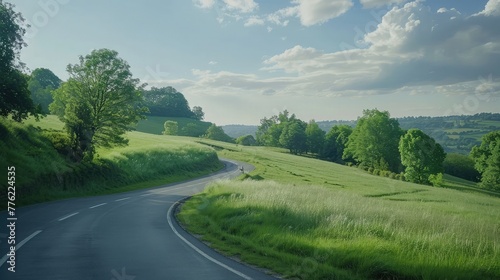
(149, 160)
(311, 219)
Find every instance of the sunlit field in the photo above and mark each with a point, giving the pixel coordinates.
(311, 219)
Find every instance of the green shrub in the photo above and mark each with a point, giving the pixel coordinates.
(436, 179)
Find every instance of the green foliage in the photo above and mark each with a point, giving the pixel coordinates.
(421, 156)
(170, 128)
(270, 130)
(217, 133)
(14, 94)
(436, 180)
(487, 160)
(461, 166)
(30, 152)
(374, 141)
(41, 83)
(247, 140)
(167, 102)
(99, 102)
(335, 143)
(294, 137)
(198, 113)
(315, 138)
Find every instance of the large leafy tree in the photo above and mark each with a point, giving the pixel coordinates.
(374, 141)
(487, 160)
(41, 84)
(167, 102)
(335, 143)
(293, 137)
(315, 137)
(14, 94)
(270, 130)
(99, 102)
(421, 156)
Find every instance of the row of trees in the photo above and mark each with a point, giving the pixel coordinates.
(168, 102)
(376, 142)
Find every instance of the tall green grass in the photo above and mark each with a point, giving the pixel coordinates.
(317, 220)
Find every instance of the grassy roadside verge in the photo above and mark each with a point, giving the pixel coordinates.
(309, 219)
(149, 160)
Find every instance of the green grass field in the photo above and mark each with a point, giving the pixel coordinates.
(310, 219)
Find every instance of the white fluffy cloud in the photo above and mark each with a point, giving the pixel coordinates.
(312, 12)
(492, 8)
(309, 12)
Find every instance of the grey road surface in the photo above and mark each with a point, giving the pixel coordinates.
(127, 236)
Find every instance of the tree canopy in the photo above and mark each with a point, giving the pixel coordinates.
(487, 160)
(198, 113)
(293, 137)
(167, 102)
(374, 141)
(41, 84)
(335, 143)
(421, 156)
(315, 137)
(99, 102)
(15, 97)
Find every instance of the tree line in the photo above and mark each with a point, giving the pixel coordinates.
(378, 144)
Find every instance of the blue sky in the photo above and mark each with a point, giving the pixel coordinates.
(242, 60)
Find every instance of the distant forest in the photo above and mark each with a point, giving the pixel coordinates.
(457, 134)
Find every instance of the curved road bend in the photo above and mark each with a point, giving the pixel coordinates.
(126, 236)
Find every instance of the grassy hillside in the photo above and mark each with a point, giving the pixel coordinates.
(154, 125)
(149, 160)
(311, 219)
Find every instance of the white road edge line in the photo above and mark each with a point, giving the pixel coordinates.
(244, 276)
(69, 216)
(122, 199)
(19, 245)
(98, 205)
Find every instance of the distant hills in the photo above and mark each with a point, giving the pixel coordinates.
(457, 134)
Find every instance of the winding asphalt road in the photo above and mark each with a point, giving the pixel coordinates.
(127, 236)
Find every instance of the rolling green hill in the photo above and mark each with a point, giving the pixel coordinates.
(310, 219)
(42, 174)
